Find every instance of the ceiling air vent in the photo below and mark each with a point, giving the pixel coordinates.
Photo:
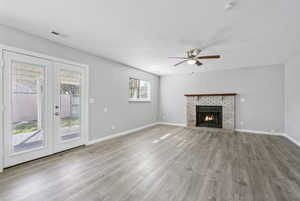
(55, 33)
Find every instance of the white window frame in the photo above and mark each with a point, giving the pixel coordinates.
(148, 91)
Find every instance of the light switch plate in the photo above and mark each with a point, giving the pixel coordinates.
(92, 100)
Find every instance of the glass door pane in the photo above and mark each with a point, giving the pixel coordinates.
(70, 105)
(27, 104)
(27, 113)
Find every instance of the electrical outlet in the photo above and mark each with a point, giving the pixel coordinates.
(113, 127)
(243, 100)
(105, 109)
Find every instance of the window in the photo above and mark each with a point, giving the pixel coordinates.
(139, 90)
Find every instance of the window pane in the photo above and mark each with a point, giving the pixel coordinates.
(139, 89)
(27, 106)
(133, 88)
(70, 93)
(130, 88)
(143, 89)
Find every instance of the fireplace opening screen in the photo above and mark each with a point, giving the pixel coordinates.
(209, 116)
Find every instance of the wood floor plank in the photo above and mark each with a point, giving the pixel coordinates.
(163, 163)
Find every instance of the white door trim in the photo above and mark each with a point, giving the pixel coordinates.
(52, 59)
(1, 111)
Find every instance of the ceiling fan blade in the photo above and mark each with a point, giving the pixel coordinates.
(180, 63)
(177, 58)
(198, 63)
(209, 57)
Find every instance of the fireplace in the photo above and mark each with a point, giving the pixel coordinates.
(209, 116)
(226, 112)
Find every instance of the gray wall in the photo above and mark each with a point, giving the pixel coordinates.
(292, 97)
(261, 87)
(108, 85)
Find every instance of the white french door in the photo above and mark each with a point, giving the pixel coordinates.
(69, 104)
(44, 107)
(27, 115)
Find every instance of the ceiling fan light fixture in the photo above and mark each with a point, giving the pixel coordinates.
(192, 61)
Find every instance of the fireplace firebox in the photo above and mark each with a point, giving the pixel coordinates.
(209, 116)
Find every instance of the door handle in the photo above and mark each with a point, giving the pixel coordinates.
(56, 113)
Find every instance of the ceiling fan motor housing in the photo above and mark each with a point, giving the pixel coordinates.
(193, 53)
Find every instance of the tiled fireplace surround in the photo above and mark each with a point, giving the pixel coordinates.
(225, 100)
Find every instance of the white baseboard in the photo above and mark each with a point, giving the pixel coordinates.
(183, 125)
(259, 132)
(90, 142)
(292, 140)
(171, 124)
(270, 133)
(239, 130)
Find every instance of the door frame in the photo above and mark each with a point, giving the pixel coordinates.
(1, 111)
(52, 59)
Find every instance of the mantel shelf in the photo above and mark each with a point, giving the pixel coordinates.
(225, 94)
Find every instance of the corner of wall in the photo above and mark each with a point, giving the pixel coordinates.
(292, 98)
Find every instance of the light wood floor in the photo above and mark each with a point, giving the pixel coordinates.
(163, 163)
